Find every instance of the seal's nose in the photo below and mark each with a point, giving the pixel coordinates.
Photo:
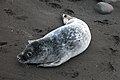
(19, 56)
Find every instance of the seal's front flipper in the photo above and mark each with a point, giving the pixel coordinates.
(53, 64)
(61, 59)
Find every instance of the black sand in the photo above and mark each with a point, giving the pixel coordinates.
(21, 20)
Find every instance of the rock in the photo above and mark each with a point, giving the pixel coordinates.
(109, 1)
(104, 8)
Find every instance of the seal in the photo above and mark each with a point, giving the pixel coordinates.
(59, 45)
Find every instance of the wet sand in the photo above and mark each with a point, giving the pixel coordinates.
(21, 20)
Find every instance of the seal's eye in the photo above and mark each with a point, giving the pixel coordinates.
(29, 54)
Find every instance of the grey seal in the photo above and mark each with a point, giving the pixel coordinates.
(59, 45)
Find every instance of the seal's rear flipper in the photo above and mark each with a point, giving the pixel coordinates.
(30, 41)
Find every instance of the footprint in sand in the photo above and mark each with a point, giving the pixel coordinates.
(74, 0)
(111, 66)
(2, 1)
(9, 11)
(68, 11)
(116, 39)
(107, 22)
(48, 1)
(37, 30)
(44, 1)
(113, 50)
(2, 48)
(2, 43)
(55, 5)
(57, 0)
(21, 17)
(73, 74)
(52, 4)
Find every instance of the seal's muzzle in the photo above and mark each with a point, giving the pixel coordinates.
(21, 58)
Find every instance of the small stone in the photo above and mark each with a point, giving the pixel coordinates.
(109, 1)
(104, 8)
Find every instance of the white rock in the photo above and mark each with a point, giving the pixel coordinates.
(104, 8)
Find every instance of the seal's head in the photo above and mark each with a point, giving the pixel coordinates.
(33, 53)
(66, 18)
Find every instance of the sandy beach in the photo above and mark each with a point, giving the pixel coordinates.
(21, 20)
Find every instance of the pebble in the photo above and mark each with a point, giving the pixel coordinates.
(104, 8)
